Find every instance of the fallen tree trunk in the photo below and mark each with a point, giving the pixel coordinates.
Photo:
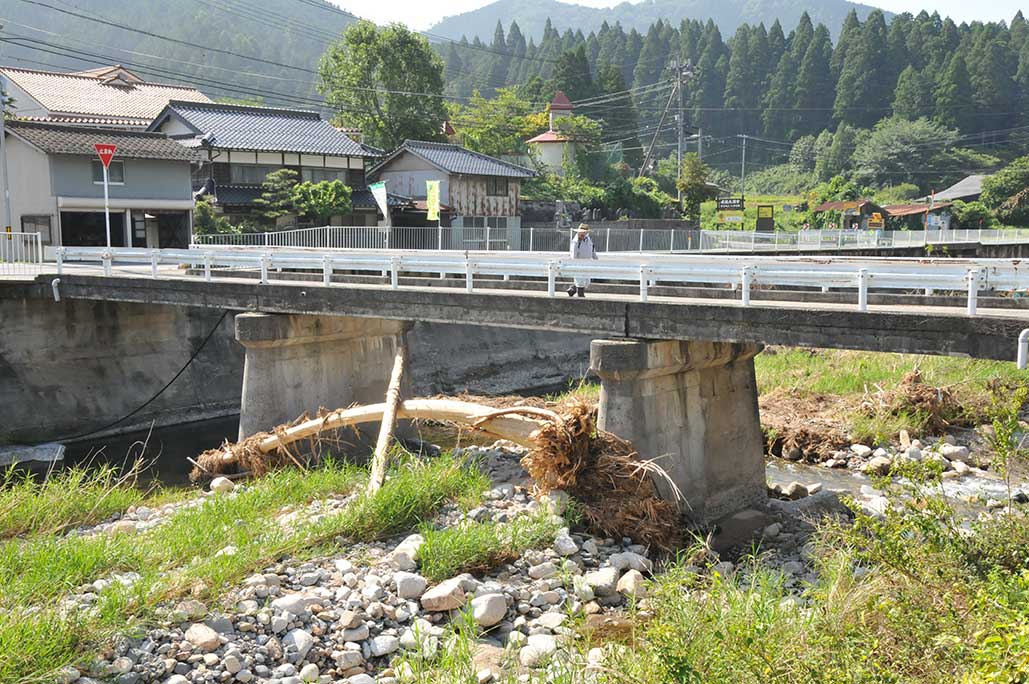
(389, 420)
(566, 452)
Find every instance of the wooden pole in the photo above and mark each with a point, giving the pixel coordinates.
(389, 419)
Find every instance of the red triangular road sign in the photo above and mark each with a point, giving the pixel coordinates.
(105, 152)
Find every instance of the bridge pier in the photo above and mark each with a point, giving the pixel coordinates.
(693, 405)
(296, 363)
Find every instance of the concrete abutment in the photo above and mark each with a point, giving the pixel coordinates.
(297, 363)
(693, 406)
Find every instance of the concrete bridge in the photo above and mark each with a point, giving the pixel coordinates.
(675, 357)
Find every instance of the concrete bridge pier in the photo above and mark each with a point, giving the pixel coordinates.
(296, 363)
(693, 405)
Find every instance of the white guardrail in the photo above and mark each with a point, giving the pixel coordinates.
(20, 253)
(606, 238)
(739, 272)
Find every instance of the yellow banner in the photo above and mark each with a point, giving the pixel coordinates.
(432, 200)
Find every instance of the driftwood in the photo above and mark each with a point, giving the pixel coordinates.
(613, 485)
(389, 420)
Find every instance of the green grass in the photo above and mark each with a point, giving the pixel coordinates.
(790, 221)
(848, 372)
(478, 547)
(78, 496)
(182, 554)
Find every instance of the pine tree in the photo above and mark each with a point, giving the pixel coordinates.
(849, 35)
(837, 160)
(898, 55)
(572, 75)
(992, 67)
(814, 99)
(912, 98)
(952, 96)
(776, 45)
(861, 99)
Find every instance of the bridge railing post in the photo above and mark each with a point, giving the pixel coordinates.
(863, 289)
(106, 259)
(973, 290)
(155, 257)
(265, 263)
(644, 282)
(468, 271)
(551, 278)
(326, 271)
(59, 257)
(745, 278)
(207, 267)
(394, 272)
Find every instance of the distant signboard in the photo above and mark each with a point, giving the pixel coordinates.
(876, 221)
(765, 217)
(730, 204)
(730, 217)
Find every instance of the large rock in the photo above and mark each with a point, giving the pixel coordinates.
(295, 603)
(489, 609)
(384, 644)
(631, 585)
(410, 585)
(603, 582)
(446, 595)
(880, 465)
(564, 545)
(203, 637)
(406, 553)
(630, 561)
(222, 485)
(538, 648)
(299, 641)
(952, 452)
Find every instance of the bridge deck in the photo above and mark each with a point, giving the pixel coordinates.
(940, 330)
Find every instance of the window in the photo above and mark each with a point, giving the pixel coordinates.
(249, 174)
(320, 175)
(496, 186)
(37, 224)
(115, 173)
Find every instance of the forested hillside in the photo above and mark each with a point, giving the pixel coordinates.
(532, 15)
(264, 50)
(969, 80)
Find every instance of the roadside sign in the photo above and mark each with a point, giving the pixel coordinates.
(876, 222)
(106, 153)
(765, 217)
(730, 204)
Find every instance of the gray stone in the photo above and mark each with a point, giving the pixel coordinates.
(861, 450)
(295, 603)
(630, 561)
(543, 570)
(952, 452)
(564, 545)
(538, 648)
(631, 585)
(410, 585)
(446, 595)
(299, 641)
(489, 609)
(880, 465)
(603, 582)
(359, 633)
(222, 485)
(203, 637)
(360, 679)
(309, 673)
(384, 644)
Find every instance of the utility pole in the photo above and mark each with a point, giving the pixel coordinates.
(3, 157)
(743, 168)
(681, 72)
(700, 144)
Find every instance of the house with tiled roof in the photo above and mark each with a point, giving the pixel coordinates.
(477, 189)
(57, 189)
(109, 96)
(240, 145)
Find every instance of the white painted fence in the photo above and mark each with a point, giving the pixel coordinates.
(20, 253)
(738, 272)
(607, 239)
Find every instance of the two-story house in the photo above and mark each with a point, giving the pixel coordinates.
(478, 190)
(57, 186)
(113, 96)
(240, 145)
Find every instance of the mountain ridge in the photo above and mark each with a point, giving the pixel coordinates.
(532, 15)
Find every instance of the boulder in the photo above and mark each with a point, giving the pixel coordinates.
(406, 553)
(880, 465)
(953, 452)
(410, 585)
(603, 582)
(861, 450)
(538, 648)
(631, 585)
(446, 595)
(630, 561)
(489, 609)
(222, 485)
(203, 637)
(384, 644)
(299, 641)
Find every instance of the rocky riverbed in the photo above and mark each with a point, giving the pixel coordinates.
(368, 615)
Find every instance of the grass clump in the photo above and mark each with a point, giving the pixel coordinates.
(77, 496)
(477, 547)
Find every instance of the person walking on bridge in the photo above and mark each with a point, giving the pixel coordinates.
(582, 248)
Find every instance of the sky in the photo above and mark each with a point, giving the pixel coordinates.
(420, 14)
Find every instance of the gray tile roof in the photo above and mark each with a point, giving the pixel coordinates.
(87, 95)
(79, 140)
(970, 186)
(456, 159)
(264, 129)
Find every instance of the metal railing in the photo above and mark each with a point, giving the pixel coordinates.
(20, 253)
(739, 272)
(607, 239)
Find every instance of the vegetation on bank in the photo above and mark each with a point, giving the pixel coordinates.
(201, 550)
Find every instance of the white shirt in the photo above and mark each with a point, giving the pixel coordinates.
(583, 248)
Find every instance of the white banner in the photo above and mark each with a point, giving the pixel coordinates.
(379, 193)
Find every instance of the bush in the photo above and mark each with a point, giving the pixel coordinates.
(972, 215)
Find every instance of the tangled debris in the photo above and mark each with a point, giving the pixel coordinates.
(938, 406)
(604, 473)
